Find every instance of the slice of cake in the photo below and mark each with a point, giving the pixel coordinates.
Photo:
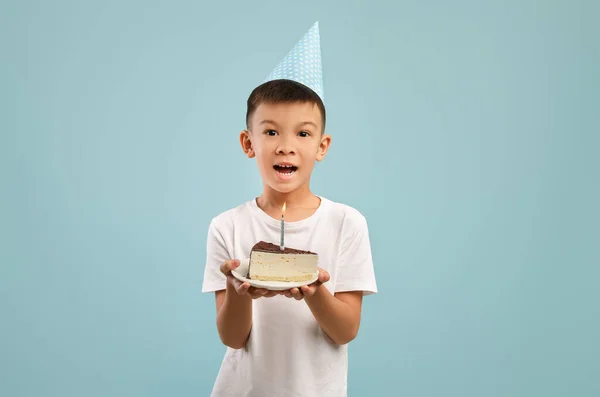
(269, 263)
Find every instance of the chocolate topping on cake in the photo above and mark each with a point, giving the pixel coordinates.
(269, 247)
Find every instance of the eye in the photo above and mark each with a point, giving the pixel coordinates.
(304, 134)
(271, 132)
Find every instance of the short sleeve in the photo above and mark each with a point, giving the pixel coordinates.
(356, 271)
(216, 254)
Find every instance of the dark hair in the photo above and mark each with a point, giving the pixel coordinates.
(283, 91)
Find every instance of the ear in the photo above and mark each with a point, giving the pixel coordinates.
(323, 147)
(246, 143)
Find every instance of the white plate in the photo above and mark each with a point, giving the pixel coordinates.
(242, 270)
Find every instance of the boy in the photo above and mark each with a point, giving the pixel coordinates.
(291, 343)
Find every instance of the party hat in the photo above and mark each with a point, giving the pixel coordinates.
(303, 63)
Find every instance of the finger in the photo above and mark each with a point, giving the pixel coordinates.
(288, 294)
(225, 267)
(242, 288)
(308, 291)
(267, 293)
(323, 276)
(258, 293)
(229, 265)
(296, 293)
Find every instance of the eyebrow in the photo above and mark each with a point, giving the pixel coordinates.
(267, 122)
(273, 122)
(309, 122)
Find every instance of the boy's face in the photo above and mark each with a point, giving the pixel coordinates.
(286, 139)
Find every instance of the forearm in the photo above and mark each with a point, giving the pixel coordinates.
(336, 318)
(234, 318)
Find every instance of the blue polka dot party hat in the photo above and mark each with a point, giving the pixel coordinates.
(303, 63)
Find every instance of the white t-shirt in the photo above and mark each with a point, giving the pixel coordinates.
(287, 353)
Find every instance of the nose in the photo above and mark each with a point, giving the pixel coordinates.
(285, 146)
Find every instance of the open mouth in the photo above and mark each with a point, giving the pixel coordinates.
(285, 169)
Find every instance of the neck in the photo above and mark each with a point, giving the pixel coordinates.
(272, 199)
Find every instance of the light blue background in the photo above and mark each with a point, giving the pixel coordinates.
(465, 131)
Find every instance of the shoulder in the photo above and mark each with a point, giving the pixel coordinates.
(226, 219)
(348, 217)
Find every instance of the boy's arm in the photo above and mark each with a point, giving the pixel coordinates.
(234, 317)
(338, 315)
(234, 307)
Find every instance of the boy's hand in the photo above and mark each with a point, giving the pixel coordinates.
(308, 290)
(243, 288)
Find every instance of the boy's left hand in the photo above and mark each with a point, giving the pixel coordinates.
(308, 290)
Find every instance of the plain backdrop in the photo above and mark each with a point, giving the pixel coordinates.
(465, 131)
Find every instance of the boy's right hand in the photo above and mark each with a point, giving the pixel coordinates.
(243, 288)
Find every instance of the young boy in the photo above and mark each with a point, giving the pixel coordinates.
(291, 343)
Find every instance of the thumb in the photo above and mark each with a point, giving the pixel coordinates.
(323, 276)
(229, 265)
